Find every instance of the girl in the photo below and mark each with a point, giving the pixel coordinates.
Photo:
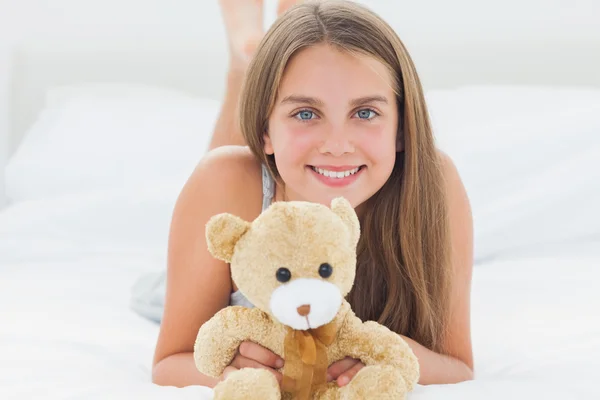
(331, 106)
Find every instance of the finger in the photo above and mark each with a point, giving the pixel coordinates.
(262, 355)
(339, 367)
(228, 370)
(347, 376)
(240, 362)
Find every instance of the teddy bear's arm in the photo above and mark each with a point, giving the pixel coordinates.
(375, 344)
(220, 337)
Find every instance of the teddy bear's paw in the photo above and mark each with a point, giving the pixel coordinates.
(248, 384)
(375, 382)
(331, 391)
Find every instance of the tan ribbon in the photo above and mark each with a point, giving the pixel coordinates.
(306, 362)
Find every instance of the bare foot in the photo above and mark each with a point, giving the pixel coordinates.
(244, 25)
(284, 5)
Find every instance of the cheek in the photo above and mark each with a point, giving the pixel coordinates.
(292, 141)
(378, 143)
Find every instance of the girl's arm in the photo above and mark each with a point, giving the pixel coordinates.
(438, 368)
(457, 366)
(180, 370)
(198, 285)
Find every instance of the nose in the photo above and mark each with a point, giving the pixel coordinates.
(304, 310)
(337, 142)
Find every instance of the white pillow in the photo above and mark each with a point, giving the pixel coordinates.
(530, 161)
(119, 221)
(101, 136)
(466, 107)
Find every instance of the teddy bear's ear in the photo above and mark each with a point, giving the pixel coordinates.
(344, 210)
(222, 233)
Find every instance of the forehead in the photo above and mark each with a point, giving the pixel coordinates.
(327, 71)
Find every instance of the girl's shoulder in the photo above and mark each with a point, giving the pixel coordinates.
(233, 177)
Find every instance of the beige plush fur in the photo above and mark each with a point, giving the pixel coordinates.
(299, 236)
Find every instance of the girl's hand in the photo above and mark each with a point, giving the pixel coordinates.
(344, 370)
(252, 355)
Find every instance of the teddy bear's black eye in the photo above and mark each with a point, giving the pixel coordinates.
(283, 275)
(325, 270)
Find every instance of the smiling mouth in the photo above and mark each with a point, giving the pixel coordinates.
(336, 174)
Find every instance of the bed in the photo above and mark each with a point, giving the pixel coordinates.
(106, 107)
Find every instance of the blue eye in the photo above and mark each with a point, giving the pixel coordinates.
(366, 114)
(305, 115)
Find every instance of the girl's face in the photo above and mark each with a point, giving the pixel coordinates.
(333, 128)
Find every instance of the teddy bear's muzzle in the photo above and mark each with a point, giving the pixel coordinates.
(305, 303)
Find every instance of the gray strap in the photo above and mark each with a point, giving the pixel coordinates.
(268, 187)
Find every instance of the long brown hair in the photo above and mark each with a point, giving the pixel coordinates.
(403, 265)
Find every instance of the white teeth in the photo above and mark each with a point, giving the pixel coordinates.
(335, 174)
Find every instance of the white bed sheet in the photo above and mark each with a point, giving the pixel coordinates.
(68, 262)
(67, 331)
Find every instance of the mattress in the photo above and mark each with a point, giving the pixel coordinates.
(72, 252)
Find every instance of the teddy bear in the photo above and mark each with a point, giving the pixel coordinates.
(295, 263)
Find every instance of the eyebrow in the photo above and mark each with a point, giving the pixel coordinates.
(296, 99)
(368, 99)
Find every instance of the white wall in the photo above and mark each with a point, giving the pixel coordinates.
(422, 24)
(427, 18)
(4, 96)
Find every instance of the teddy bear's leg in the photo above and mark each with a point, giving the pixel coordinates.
(248, 383)
(375, 382)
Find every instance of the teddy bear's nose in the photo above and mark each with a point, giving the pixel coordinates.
(304, 310)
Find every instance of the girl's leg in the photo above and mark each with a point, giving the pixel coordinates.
(227, 130)
(244, 25)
